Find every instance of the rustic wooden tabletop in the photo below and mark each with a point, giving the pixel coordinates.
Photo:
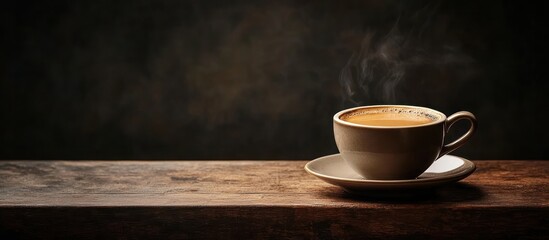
(259, 199)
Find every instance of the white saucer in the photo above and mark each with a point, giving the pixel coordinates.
(333, 169)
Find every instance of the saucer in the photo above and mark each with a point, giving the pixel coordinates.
(333, 169)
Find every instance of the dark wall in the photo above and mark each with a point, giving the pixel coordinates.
(170, 79)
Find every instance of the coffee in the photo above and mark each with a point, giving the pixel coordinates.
(395, 142)
(389, 117)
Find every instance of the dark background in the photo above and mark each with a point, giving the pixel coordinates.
(169, 79)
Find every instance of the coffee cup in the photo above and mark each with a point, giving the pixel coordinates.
(395, 142)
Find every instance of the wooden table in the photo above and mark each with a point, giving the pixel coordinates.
(259, 200)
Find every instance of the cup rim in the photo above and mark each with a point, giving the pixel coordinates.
(337, 116)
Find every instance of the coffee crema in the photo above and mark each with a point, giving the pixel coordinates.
(389, 117)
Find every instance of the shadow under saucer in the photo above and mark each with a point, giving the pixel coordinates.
(455, 192)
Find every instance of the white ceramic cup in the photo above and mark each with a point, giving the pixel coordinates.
(396, 152)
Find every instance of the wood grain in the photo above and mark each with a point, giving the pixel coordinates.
(259, 199)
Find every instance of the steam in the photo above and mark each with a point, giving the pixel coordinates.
(377, 68)
(376, 71)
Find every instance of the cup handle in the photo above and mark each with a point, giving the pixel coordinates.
(460, 141)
